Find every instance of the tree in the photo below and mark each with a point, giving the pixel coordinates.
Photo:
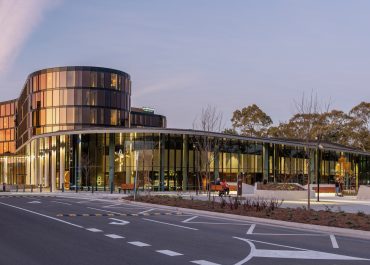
(230, 131)
(361, 126)
(309, 120)
(251, 121)
(210, 120)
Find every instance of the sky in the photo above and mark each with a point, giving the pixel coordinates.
(185, 55)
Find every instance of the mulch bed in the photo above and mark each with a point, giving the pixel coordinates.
(278, 186)
(267, 209)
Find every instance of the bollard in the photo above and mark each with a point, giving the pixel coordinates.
(62, 187)
(40, 188)
(119, 190)
(92, 189)
(16, 188)
(24, 187)
(31, 188)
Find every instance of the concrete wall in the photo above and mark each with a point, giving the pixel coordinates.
(284, 194)
(363, 193)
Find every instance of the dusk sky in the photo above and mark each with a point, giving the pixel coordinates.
(184, 55)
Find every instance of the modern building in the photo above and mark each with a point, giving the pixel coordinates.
(75, 127)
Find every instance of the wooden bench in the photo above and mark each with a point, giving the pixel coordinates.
(219, 187)
(127, 187)
(325, 189)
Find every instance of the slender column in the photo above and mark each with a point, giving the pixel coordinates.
(185, 156)
(111, 162)
(161, 161)
(62, 160)
(46, 162)
(53, 164)
(265, 152)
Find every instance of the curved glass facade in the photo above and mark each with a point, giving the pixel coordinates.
(69, 98)
(168, 159)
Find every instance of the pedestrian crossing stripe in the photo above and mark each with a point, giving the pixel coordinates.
(113, 214)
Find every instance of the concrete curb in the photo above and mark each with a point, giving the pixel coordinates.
(316, 228)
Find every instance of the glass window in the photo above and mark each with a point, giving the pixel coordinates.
(93, 79)
(113, 117)
(62, 78)
(70, 97)
(49, 116)
(42, 117)
(101, 80)
(70, 118)
(56, 98)
(113, 81)
(43, 81)
(86, 115)
(71, 78)
(7, 109)
(49, 98)
(49, 80)
(2, 135)
(56, 79)
(62, 115)
(86, 79)
(6, 123)
(2, 110)
(79, 78)
(78, 96)
(35, 83)
(78, 115)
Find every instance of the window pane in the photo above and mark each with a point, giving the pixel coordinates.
(43, 81)
(62, 78)
(56, 98)
(113, 81)
(49, 80)
(93, 79)
(62, 115)
(86, 79)
(70, 97)
(71, 76)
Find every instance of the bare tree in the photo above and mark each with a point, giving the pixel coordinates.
(210, 120)
(311, 128)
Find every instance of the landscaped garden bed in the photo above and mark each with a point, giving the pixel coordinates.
(266, 208)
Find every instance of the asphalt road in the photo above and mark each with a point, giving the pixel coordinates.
(37, 230)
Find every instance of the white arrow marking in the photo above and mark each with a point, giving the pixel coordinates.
(189, 219)
(34, 202)
(298, 253)
(334, 241)
(119, 222)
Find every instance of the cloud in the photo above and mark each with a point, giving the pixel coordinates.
(18, 18)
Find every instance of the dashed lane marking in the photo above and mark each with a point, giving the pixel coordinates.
(204, 262)
(95, 230)
(334, 241)
(114, 236)
(250, 230)
(113, 214)
(139, 244)
(169, 252)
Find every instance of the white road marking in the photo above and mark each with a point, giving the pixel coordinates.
(250, 230)
(203, 262)
(189, 219)
(210, 223)
(169, 224)
(103, 210)
(139, 244)
(169, 252)
(114, 236)
(94, 230)
(62, 202)
(334, 241)
(297, 253)
(146, 211)
(33, 202)
(119, 222)
(43, 215)
(112, 205)
(267, 234)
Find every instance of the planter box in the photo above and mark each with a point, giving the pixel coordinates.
(363, 193)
